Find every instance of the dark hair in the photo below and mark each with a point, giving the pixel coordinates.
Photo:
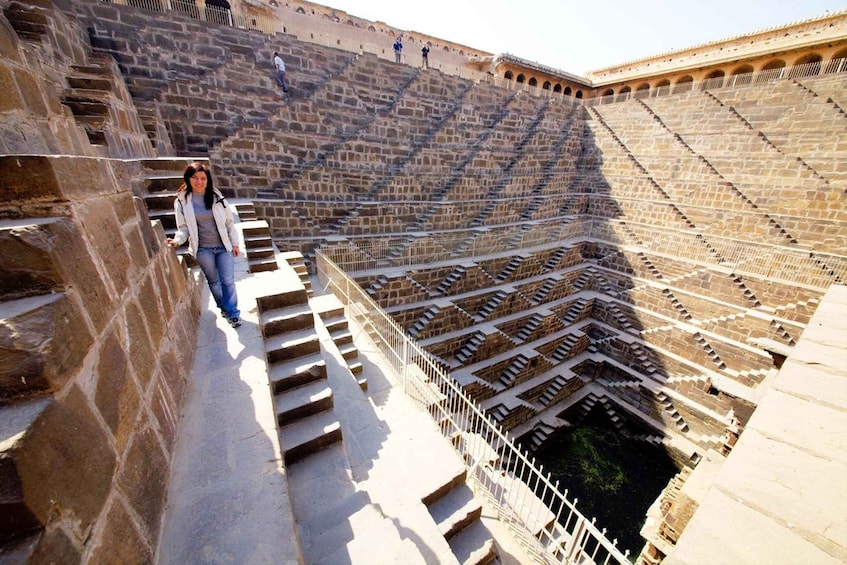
(196, 167)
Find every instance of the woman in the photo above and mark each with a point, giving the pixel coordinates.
(204, 219)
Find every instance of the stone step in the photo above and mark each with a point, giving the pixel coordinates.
(453, 481)
(306, 436)
(293, 373)
(37, 255)
(290, 345)
(342, 337)
(16, 422)
(474, 545)
(262, 264)
(286, 319)
(303, 401)
(349, 351)
(455, 511)
(281, 300)
(48, 338)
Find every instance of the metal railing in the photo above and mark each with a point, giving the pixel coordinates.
(771, 262)
(269, 25)
(539, 516)
(733, 81)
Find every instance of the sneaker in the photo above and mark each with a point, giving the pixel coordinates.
(235, 322)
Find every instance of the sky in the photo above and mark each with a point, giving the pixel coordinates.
(588, 35)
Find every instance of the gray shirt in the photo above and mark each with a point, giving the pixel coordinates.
(207, 230)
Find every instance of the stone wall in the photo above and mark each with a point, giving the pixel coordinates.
(97, 341)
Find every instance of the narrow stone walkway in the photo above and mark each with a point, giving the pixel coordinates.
(228, 500)
(231, 500)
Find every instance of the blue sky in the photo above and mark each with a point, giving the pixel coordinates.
(587, 35)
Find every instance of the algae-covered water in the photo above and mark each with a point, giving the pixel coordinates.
(616, 479)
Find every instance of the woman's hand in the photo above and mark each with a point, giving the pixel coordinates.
(235, 251)
(172, 243)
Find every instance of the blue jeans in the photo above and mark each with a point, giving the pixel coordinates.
(219, 267)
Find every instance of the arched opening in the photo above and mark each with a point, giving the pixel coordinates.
(350, 23)
(838, 63)
(508, 75)
(807, 66)
(546, 85)
(218, 11)
(771, 71)
(624, 94)
(684, 84)
(557, 88)
(371, 28)
(579, 94)
(643, 90)
(608, 92)
(713, 80)
(521, 78)
(663, 87)
(300, 11)
(533, 82)
(568, 91)
(741, 75)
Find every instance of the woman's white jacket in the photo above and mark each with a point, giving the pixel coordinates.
(186, 222)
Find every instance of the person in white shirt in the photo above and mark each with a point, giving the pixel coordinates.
(280, 72)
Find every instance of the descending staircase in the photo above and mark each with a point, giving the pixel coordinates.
(302, 397)
(457, 513)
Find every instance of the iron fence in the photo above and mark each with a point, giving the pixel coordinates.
(540, 517)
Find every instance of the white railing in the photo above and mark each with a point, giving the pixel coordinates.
(538, 515)
(732, 81)
(771, 262)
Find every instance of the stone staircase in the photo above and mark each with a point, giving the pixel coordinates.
(297, 372)
(457, 513)
(336, 324)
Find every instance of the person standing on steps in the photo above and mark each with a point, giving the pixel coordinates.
(425, 57)
(280, 72)
(204, 219)
(398, 48)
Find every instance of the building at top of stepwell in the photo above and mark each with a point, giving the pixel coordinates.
(662, 241)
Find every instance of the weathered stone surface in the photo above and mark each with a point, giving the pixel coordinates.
(28, 178)
(166, 410)
(120, 541)
(54, 546)
(106, 237)
(148, 299)
(8, 42)
(28, 267)
(143, 479)
(43, 341)
(66, 463)
(117, 395)
(10, 98)
(140, 345)
(31, 93)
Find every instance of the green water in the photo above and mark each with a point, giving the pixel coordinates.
(615, 479)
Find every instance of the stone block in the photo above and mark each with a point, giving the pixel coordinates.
(98, 217)
(66, 464)
(144, 478)
(10, 98)
(116, 394)
(121, 541)
(54, 546)
(31, 93)
(140, 345)
(43, 342)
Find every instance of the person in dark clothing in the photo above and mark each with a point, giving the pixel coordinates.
(425, 57)
(398, 49)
